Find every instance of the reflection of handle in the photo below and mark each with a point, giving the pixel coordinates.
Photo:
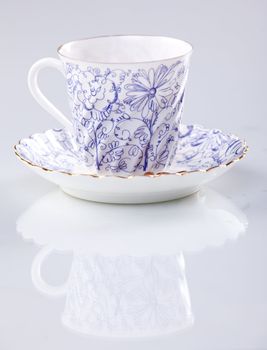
(37, 279)
(36, 92)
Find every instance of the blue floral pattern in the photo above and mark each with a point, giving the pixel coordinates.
(127, 121)
(199, 149)
(150, 90)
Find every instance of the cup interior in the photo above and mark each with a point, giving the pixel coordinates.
(124, 49)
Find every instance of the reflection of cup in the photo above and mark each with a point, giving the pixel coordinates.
(126, 95)
(127, 276)
(122, 296)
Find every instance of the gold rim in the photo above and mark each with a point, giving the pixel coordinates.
(147, 174)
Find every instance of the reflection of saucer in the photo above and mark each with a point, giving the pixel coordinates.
(202, 155)
(205, 219)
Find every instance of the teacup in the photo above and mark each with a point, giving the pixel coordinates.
(126, 97)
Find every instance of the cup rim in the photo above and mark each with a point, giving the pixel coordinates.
(188, 53)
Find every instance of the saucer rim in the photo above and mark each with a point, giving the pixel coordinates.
(147, 174)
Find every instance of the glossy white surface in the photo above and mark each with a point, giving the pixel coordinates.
(226, 283)
(127, 280)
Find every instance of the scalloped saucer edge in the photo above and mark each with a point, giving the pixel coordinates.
(202, 155)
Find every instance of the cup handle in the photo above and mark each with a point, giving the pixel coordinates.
(38, 95)
(37, 279)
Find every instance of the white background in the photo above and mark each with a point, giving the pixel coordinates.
(226, 90)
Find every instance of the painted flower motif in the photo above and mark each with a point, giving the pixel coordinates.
(96, 95)
(142, 133)
(113, 155)
(93, 94)
(150, 90)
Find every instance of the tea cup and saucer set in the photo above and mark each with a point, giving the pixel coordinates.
(125, 142)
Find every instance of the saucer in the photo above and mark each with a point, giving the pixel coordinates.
(202, 155)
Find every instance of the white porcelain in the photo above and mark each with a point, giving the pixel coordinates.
(202, 155)
(126, 98)
(127, 277)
